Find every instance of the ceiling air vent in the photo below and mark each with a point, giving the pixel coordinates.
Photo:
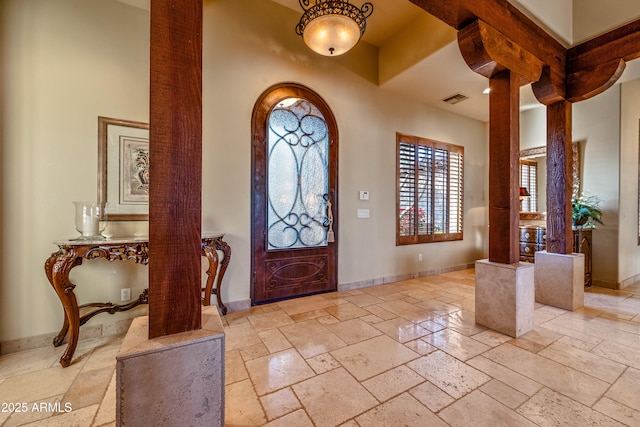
(454, 99)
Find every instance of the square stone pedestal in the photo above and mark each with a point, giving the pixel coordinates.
(175, 380)
(559, 280)
(505, 296)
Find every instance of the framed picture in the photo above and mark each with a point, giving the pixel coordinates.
(123, 169)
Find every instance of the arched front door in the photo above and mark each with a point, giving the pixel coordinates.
(294, 194)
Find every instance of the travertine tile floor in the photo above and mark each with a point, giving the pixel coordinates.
(401, 354)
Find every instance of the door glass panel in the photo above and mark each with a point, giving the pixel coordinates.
(297, 176)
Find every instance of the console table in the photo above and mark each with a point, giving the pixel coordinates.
(71, 254)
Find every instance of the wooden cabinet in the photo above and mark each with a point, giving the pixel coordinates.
(582, 244)
(532, 239)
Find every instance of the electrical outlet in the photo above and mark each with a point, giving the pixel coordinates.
(419, 257)
(125, 294)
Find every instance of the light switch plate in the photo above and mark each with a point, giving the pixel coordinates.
(364, 195)
(363, 213)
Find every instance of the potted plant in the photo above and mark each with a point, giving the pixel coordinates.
(586, 211)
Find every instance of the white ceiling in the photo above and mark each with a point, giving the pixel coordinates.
(444, 73)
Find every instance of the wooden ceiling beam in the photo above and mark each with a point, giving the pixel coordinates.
(595, 65)
(513, 24)
(488, 52)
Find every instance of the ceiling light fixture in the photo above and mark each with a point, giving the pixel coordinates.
(332, 27)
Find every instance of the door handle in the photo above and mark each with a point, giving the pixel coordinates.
(330, 235)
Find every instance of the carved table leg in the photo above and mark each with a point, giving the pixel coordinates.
(221, 245)
(212, 255)
(48, 268)
(58, 268)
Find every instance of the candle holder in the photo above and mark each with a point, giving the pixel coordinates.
(90, 220)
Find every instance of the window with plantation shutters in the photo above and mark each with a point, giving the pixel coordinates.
(429, 192)
(528, 179)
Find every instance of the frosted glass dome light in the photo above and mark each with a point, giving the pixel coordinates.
(332, 27)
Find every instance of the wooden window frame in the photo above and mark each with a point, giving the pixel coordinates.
(453, 210)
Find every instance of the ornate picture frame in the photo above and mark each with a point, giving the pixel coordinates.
(123, 169)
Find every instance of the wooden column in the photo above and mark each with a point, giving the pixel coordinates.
(504, 152)
(559, 178)
(175, 136)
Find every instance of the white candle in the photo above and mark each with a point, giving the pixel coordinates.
(89, 222)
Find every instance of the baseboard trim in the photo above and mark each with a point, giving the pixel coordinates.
(400, 277)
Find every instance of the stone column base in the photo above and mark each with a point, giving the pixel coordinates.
(172, 380)
(559, 280)
(505, 296)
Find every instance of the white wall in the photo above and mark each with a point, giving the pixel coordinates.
(629, 139)
(69, 61)
(65, 63)
(596, 126)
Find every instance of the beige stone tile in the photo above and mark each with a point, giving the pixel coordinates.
(253, 351)
(403, 410)
(274, 340)
(38, 385)
(241, 405)
(536, 340)
(333, 397)
(371, 319)
(26, 361)
(104, 356)
(353, 331)
(278, 370)
(298, 418)
(279, 403)
(408, 311)
(327, 320)
(369, 358)
(504, 394)
(431, 396)
(433, 325)
(381, 312)
(311, 338)
(323, 363)
(107, 411)
(456, 344)
(583, 361)
(305, 305)
(479, 410)
(421, 347)
(80, 417)
(364, 300)
(614, 351)
(549, 408)
(234, 369)
(491, 338)
(461, 321)
(577, 343)
(271, 320)
(565, 331)
(511, 378)
(438, 308)
(626, 390)
(618, 411)
(89, 388)
(346, 311)
(240, 336)
(350, 423)
(448, 373)
(402, 330)
(392, 382)
(574, 384)
(29, 415)
(308, 315)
